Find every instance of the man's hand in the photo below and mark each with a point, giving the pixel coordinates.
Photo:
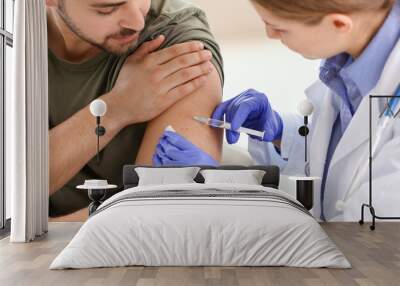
(150, 82)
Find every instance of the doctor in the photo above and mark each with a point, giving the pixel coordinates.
(359, 42)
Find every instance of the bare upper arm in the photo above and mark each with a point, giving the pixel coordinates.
(180, 117)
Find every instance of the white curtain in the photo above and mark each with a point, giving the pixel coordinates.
(27, 173)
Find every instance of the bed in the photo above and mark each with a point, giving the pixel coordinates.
(201, 224)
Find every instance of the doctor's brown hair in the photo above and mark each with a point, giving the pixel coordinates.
(313, 11)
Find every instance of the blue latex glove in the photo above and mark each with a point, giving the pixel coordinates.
(175, 150)
(251, 109)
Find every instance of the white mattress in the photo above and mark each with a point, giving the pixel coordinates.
(185, 230)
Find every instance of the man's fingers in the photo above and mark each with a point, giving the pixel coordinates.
(181, 91)
(148, 47)
(185, 82)
(186, 75)
(168, 54)
(185, 61)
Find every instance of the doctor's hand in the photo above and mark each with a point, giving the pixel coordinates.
(175, 150)
(152, 80)
(251, 109)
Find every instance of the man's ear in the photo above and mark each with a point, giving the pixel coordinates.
(51, 3)
(341, 22)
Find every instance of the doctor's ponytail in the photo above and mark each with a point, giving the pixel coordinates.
(312, 11)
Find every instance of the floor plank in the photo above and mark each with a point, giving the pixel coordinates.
(375, 257)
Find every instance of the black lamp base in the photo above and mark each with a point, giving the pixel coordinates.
(96, 196)
(305, 190)
(305, 193)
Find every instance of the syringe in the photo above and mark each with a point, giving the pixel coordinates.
(226, 125)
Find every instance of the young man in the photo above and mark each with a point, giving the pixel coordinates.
(154, 63)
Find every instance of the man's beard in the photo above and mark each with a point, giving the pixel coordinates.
(103, 46)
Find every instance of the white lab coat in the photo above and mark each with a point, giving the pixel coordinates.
(343, 203)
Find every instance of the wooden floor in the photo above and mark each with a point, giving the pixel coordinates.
(375, 257)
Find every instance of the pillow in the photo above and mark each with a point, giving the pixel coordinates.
(243, 177)
(166, 176)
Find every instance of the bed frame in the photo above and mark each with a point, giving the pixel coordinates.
(271, 178)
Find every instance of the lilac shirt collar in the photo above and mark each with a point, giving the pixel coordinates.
(362, 75)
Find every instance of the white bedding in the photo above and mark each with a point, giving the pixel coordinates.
(200, 231)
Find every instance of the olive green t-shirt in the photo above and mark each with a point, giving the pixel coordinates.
(74, 86)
